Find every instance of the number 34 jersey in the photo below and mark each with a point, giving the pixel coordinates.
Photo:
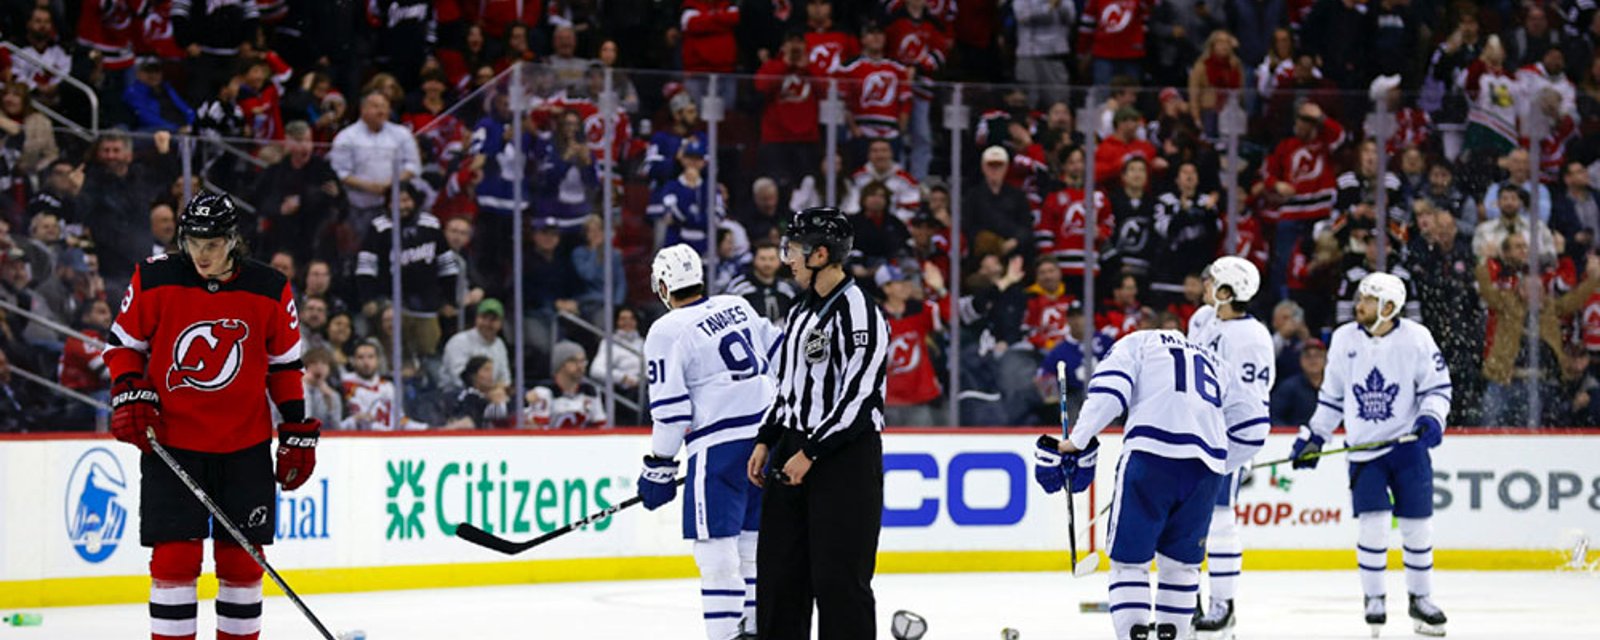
(1244, 343)
(707, 365)
(1182, 401)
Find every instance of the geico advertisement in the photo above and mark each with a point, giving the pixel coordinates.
(1508, 492)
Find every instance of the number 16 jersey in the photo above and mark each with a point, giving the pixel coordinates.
(707, 365)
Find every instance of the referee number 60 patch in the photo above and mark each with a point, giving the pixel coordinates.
(858, 338)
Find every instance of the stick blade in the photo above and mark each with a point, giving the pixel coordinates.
(466, 531)
(1086, 566)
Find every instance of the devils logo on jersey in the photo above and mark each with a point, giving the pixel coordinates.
(825, 56)
(1115, 17)
(1305, 165)
(912, 48)
(795, 89)
(879, 89)
(904, 354)
(207, 355)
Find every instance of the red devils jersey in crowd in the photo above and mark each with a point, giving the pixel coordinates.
(942, 10)
(1590, 324)
(109, 26)
(212, 350)
(82, 366)
(1060, 229)
(877, 91)
(791, 96)
(1114, 29)
(1116, 321)
(911, 378)
(1045, 323)
(155, 33)
(1310, 169)
(708, 38)
(594, 127)
(827, 50)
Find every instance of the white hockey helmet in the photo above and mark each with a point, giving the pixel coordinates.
(1388, 289)
(675, 267)
(1240, 276)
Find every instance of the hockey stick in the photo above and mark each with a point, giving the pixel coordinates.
(1091, 563)
(467, 531)
(238, 536)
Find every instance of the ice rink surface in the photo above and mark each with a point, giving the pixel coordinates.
(968, 606)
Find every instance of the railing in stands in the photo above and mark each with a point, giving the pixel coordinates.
(42, 381)
(607, 343)
(94, 100)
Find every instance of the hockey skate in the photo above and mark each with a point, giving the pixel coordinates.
(1166, 631)
(1140, 632)
(1377, 614)
(1426, 618)
(1217, 623)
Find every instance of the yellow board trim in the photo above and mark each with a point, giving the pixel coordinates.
(63, 592)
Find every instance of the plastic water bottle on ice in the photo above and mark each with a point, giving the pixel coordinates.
(24, 619)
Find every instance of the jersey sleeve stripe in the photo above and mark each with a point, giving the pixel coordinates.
(1248, 443)
(286, 357)
(724, 424)
(126, 340)
(1113, 372)
(1113, 393)
(667, 401)
(1433, 389)
(1189, 439)
(294, 365)
(1249, 423)
(675, 419)
(1329, 405)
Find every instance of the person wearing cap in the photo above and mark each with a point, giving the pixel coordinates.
(929, 244)
(58, 298)
(566, 400)
(1295, 398)
(483, 339)
(428, 271)
(155, 103)
(682, 207)
(1124, 143)
(661, 158)
(912, 391)
(1004, 220)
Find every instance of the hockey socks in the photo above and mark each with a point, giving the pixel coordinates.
(1372, 549)
(1224, 554)
(747, 570)
(174, 571)
(1177, 584)
(238, 593)
(1129, 597)
(1416, 535)
(722, 587)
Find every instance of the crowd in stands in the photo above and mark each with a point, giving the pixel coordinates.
(324, 118)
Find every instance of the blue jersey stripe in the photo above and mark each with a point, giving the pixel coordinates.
(1113, 372)
(726, 423)
(666, 401)
(1249, 423)
(1112, 392)
(675, 419)
(1434, 388)
(1153, 433)
(1329, 405)
(1183, 588)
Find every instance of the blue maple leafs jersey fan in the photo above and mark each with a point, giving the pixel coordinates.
(1378, 387)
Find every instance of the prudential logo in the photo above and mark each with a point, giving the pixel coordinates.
(94, 504)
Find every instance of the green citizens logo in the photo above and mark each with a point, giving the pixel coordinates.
(486, 495)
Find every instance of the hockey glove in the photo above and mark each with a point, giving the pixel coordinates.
(1047, 468)
(136, 410)
(297, 452)
(1307, 444)
(1429, 432)
(1080, 465)
(656, 486)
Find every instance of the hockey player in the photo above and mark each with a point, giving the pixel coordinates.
(1226, 328)
(1191, 421)
(1386, 379)
(204, 336)
(709, 390)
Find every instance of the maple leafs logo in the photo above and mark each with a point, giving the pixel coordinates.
(1375, 397)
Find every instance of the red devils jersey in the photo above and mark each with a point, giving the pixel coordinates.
(708, 35)
(109, 26)
(1310, 169)
(594, 126)
(1060, 229)
(790, 114)
(1114, 29)
(920, 43)
(1045, 323)
(212, 350)
(82, 367)
(155, 33)
(911, 378)
(877, 91)
(827, 50)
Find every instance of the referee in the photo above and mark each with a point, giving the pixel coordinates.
(823, 502)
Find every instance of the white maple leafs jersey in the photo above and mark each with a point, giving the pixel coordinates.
(1242, 342)
(1182, 401)
(1379, 386)
(707, 365)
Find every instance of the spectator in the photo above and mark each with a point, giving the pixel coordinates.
(663, 157)
(1575, 214)
(212, 33)
(709, 44)
(1442, 265)
(458, 233)
(483, 401)
(156, 106)
(1134, 210)
(1294, 398)
(1214, 78)
(627, 95)
(1510, 220)
(1184, 235)
(59, 187)
(1529, 38)
(297, 197)
(282, 262)
(483, 339)
(1063, 221)
(1122, 313)
(369, 395)
(1004, 218)
(1069, 350)
(81, 367)
(919, 40)
(563, 61)
(549, 284)
(588, 260)
(313, 322)
(341, 339)
(826, 46)
(70, 285)
(930, 244)
(566, 400)
(1357, 188)
(789, 127)
(1044, 45)
(1508, 294)
(322, 401)
(1549, 71)
(406, 34)
(1349, 287)
(732, 258)
(1279, 59)
(905, 193)
(1443, 193)
(565, 174)
(1048, 302)
(877, 94)
(494, 148)
(25, 131)
(1124, 143)
(47, 63)
(683, 208)
(1390, 38)
(761, 285)
(319, 283)
(879, 237)
(221, 116)
(1492, 110)
(17, 410)
(1443, 94)
(913, 389)
(118, 192)
(1111, 33)
(619, 358)
(762, 219)
(1413, 174)
(427, 271)
(364, 156)
(1289, 334)
(1337, 40)
(1299, 184)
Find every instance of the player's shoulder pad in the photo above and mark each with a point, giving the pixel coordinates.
(258, 278)
(163, 269)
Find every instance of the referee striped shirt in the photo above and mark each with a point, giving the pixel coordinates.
(832, 366)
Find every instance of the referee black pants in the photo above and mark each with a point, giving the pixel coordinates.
(819, 542)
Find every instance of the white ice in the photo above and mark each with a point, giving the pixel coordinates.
(968, 606)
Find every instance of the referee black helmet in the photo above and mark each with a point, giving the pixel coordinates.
(822, 227)
(209, 215)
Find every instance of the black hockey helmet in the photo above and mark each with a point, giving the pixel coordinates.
(822, 227)
(209, 215)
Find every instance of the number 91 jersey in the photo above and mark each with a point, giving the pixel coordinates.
(707, 365)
